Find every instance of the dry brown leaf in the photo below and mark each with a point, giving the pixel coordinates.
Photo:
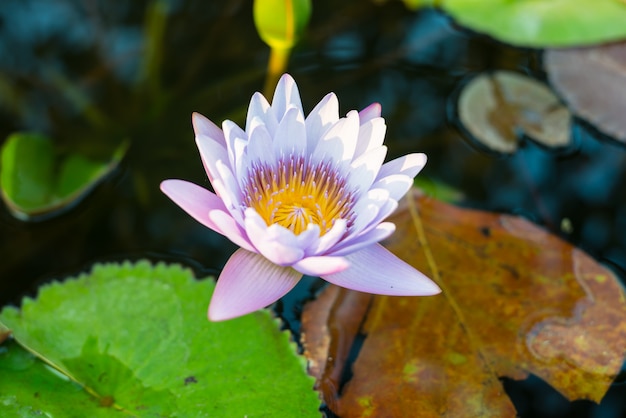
(494, 108)
(516, 300)
(592, 81)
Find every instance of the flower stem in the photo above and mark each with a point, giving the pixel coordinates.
(279, 58)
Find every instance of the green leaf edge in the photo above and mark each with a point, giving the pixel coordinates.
(148, 268)
(57, 204)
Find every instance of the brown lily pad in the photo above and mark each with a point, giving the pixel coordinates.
(496, 108)
(516, 300)
(592, 81)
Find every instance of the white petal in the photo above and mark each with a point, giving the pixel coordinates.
(339, 141)
(249, 282)
(396, 184)
(211, 151)
(321, 118)
(236, 142)
(290, 137)
(371, 135)
(260, 109)
(330, 238)
(364, 169)
(226, 186)
(409, 165)
(286, 95)
(367, 208)
(318, 266)
(274, 242)
(376, 270)
(259, 149)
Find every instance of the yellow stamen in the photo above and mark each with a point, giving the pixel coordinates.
(296, 193)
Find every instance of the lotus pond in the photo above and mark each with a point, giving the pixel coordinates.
(519, 215)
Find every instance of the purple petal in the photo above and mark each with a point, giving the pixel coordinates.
(370, 112)
(376, 270)
(318, 266)
(249, 282)
(193, 199)
(206, 208)
(355, 243)
(203, 126)
(211, 151)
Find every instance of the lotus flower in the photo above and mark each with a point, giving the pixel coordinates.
(300, 196)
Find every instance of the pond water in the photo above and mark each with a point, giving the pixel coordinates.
(76, 71)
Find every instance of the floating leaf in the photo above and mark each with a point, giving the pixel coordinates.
(496, 107)
(30, 388)
(516, 300)
(542, 23)
(437, 189)
(593, 83)
(34, 183)
(137, 338)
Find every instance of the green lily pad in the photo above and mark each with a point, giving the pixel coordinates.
(136, 337)
(438, 189)
(542, 23)
(35, 183)
(30, 388)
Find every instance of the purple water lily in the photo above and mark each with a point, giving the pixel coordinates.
(300, 196)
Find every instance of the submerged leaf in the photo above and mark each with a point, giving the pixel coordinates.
(593, 83)
(137, 338)
(516, 300)
(495, 108)
(542, 23)
(34, 183)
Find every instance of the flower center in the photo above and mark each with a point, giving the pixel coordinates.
(296, 193)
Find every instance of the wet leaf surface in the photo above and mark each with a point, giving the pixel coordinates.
(36, 183)
(592, 81)
(496, 108)
(516, 300)
(542, 23)
(136, 338)
(30, 388)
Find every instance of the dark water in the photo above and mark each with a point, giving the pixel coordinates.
(78, 71)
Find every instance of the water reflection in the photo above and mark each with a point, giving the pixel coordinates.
(62, 59)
